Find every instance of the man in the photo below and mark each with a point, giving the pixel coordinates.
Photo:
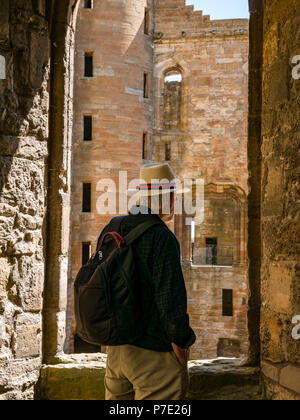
(155, 367)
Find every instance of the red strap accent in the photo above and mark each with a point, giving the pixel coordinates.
(121, 237)
(115, 236)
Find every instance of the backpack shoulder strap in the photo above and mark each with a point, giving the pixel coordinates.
(115, 223)
(138, 231)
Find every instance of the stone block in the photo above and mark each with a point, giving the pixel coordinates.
(290, 378)
(280, 288)
(4, 19)
(273, 190)
(28, 274)
(23, 147)
(27, 336)
(5, 270)
(22, 183)
(39, 47)
(271, 371)
(73, 382)
(271, 331)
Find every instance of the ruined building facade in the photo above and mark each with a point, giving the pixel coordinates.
(36, 147)
(181, 81)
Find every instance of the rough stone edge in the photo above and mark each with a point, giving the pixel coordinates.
(273, 375)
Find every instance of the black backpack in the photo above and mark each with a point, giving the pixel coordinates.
(108, 310)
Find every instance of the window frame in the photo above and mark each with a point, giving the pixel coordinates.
(225, 305)
(145, 145)
(214, 246)
(83, 245)
(146, 85)
(91, 4)
(86, 207)
(168, 151)
(88, 55)
(87, 138)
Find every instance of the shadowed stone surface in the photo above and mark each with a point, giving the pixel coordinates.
(278, 160)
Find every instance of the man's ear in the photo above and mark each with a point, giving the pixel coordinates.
(172, 202)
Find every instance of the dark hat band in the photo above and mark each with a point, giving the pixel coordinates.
(156, 187)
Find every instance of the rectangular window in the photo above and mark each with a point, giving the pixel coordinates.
(88, 4)
(87, 128)
(88, 65)
(146, 85)
(86, 252)
(211, 251)
(145, 146)
(147, 22)
(86, 198)
(168, 151)
(227, 302)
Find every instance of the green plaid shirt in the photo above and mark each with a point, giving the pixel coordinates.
(160, 251)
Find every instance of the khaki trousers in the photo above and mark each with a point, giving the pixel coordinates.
(133, 373)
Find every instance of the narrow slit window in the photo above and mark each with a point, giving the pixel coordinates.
(168, 151)
(146, 85)
(211, 251)
(227, 302)
(147, 22)
(87, 128)
(86, 252)
(88, 65)
(145, 146)
(88, 4)
(86, 198)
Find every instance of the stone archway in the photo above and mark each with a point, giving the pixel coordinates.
(37, 43)
(63, 21)
(36, 39)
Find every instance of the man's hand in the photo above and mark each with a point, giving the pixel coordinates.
(181, 354)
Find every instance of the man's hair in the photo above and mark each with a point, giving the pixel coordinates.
(159, 204)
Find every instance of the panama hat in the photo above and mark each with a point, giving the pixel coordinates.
(157, 179)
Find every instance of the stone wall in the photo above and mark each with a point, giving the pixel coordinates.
(30, 106)
(24, 106)
(280, 211)
(204, 287)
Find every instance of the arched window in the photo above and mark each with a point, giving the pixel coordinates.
(172, 99)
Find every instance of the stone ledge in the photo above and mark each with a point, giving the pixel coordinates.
(66, 359)
(73, 381)
(223, 379)
(290, 378)
(81, 377)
